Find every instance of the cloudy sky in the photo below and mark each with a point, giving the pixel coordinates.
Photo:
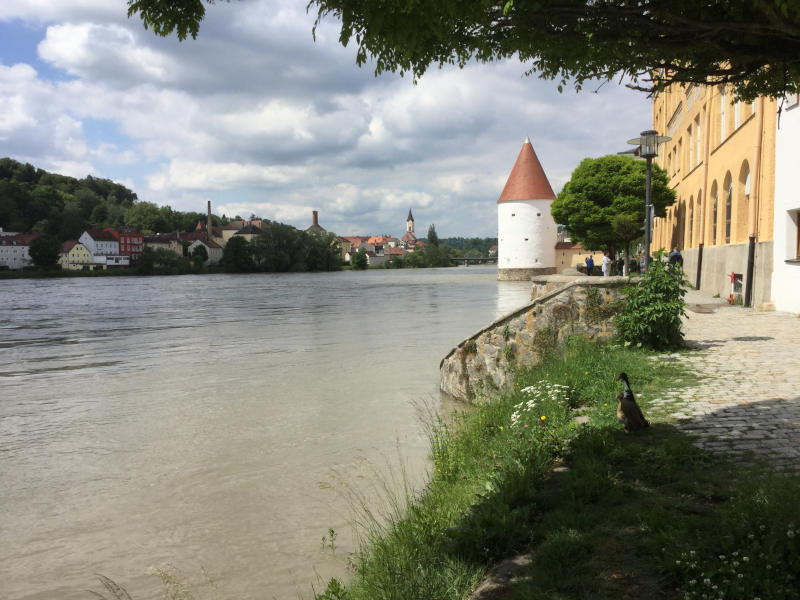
(259, 118)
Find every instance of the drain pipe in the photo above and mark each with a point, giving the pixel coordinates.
(704, 203)
(754, 200)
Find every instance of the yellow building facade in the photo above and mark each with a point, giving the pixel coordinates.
(721, 163)
(74, 256)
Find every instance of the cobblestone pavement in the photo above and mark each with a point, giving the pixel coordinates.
(747, 402)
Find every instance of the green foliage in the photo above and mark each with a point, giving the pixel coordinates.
(433, 239)
(600, 191)
(44, 251)
(359, 260)
(651, 314)
(162, 262)
(470, 247)
(237, 256)
(754, 44)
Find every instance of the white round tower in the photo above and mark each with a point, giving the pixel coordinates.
(526, 232)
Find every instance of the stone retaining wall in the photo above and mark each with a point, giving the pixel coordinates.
(561, 305)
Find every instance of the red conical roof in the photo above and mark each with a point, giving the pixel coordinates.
(527, 180)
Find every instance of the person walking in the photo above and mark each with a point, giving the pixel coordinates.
(589, 264)
(675, 257)
(606, 264)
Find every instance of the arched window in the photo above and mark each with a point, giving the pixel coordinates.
(698, 209)
(742, 203)
(714, 213)
(728, 206)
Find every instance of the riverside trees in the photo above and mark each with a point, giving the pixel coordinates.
(602, 205)
(750, 45)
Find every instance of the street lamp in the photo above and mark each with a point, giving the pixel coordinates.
(648, 142)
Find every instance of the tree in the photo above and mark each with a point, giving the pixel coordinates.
(602, 188)
(237, 256)
(44, 251)
(628, 227)
(750, 45)
(199, 256)
(433, 239)
(359, 260)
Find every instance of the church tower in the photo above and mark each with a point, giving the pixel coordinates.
(526, 232)
(409, 239)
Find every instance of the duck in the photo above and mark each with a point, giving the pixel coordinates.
(628, 412)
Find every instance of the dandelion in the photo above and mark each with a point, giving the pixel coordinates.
(501, 428)
(543, 418)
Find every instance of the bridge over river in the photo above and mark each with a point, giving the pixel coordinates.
(475, 260)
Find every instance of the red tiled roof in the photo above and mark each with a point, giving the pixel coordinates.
(398, 251)
(20, 239)
(568, 246)
(101, 235)
(68, 245)
(527, 180)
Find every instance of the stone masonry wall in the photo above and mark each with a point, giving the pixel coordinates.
(560, 305)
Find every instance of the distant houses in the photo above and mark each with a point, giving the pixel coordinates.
(114, 248)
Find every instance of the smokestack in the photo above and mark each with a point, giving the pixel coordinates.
(208, 227)
(315, 218)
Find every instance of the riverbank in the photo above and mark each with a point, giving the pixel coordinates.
(545, 472)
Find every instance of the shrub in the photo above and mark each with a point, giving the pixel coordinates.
(651, 314)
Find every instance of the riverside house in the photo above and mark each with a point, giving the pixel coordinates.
(74, 256)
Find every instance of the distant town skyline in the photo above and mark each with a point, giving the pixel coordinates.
(260, 119)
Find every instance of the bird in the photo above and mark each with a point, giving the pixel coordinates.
(628, 412)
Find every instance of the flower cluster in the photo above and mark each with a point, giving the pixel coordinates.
(530, 410)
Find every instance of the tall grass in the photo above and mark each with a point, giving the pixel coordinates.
(615, 524)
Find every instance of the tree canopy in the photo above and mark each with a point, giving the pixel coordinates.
(750, 45)
(602, 189)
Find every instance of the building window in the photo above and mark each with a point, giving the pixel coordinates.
(691, 222)
(722, 104)
(691, 147)
(698, 150)
(714, 215)
(728, 207)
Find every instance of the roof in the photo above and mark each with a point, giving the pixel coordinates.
(410, 216)
(248, 230)
(398, 251)
(206, 243)
(20, 239)
(380, 239)
(409, 237)
(68, 245)
(527, 180)
(568, 246)
(101, 235)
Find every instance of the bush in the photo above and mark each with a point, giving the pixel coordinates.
(651, 314)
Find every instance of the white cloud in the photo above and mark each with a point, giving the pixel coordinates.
(260, 118)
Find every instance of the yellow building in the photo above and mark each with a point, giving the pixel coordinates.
(74, 256)
(721, 163)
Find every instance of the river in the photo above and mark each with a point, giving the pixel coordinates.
(213, 424)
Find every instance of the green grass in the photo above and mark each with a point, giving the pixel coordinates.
(634, 516)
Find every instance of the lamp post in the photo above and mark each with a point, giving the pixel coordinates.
(648, 142)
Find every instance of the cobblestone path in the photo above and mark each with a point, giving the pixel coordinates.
(747, 402)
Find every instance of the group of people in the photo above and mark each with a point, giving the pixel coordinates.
(674, 258)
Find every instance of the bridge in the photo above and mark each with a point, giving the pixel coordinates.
(475, 260)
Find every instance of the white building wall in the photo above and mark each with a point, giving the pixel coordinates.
(526, 235)
(786, 266)
(15, 257)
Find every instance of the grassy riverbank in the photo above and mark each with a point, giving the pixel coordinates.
(642, 515)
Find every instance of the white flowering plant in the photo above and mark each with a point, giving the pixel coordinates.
(539, 397)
